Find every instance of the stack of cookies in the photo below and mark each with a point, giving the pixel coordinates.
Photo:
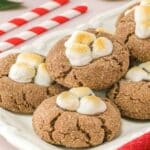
(60, 88)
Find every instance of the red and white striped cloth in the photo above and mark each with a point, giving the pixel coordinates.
(140, 143)
(28, 16)
(43, 27)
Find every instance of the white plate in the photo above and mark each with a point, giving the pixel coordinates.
(17, 129)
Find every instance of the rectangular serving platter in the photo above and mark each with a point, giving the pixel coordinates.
(17, 129)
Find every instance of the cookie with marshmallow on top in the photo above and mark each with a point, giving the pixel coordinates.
(92, 58)
(25, 82)
(132, 94)
(133, 29)
(77, 118)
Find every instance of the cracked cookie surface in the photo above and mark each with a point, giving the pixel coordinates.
(21, 97)
(74, 130)
(125, 30)
(132, 98)
(99, 74)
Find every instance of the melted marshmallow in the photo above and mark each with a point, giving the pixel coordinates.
(42, 77)
(91, 105)
(79, 54)
(102, 47)
(142, 20)
(68, 100)
(81, 100)
(81, 37)
(21, 72)
(29, 58)
(139, 73)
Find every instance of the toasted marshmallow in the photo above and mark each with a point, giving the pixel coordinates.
(79, 54)
(22, 73)
(145, 66)
(29, 58)
(42, 77)
(145, 2)
(68, 101)
(142, 20)
(142, 30)
(81, 91)
(142, 13)
(91, 105)
(102, 47)
(136, 74)
(81, 37)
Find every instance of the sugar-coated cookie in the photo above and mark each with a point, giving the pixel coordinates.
(23, 86)
(91, 58)
(77, 119)
(132, 94)
(133, 29)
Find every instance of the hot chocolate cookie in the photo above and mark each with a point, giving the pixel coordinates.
(88, 58)
(132, 95)
(77, 119)
(24, 82)
(133, 29)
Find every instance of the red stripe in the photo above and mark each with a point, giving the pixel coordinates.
(2, 32)
(18, 21)
(38, 30)
(81, 9)
(40, 11)
(61, 2)
(15, 41)
(140, 143)
(60, 19)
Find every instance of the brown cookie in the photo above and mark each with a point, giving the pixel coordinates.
(98, 74)
(132, 98)
(22, 97)
(71, 129)
(125, 30)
